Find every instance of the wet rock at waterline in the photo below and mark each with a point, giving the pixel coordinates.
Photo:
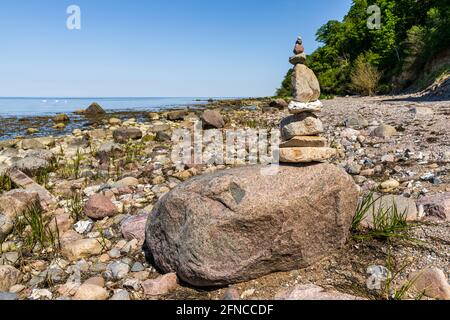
(240, 224)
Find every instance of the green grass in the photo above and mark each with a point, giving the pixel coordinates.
(388, 222)
(5, 183)
(76, 206)
(134, 151)
(37, 230)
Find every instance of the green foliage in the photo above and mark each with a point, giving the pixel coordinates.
(365, 76)
(410, 34)
(5, 183)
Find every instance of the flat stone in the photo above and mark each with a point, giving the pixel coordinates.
(299, 107)
(305, 155)
(21, 179)
(313, 292)
(134, 227)
(305, 142)
(31, 165)
(302, 124)
(120, 295)
(298, 59)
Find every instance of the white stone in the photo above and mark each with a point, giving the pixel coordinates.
(299, 107)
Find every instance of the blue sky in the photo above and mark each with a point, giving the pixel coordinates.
(150, 48)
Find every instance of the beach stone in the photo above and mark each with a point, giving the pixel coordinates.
(213, 118)
(31, 165)
(81, 249)
(423, 112)
(123, 135)
(436, 206)
(404, 205)
(98, 207)
(305, 85)
(432, 282)
(384, 131)
(120, 295)
(109, 150)
(298, 59)
(94, 110)
(126, 182)
(8, 296)
(161, 285)
(28, 144)
(313, 292)
(134, 227)
(302, 124)
(153, 116)
(14, 202)
(119, 270)
(6, 226)
(236, 233)
(299, 48)
(177, 115)
(31, 131)
(280, 104)
(299, 107)
(356, 121)
(231, 294)
(305, 155)
(43, 154)
(115, 121)
(61, 223)
(90, 292)
(61, 118)
(59, 126)
(9, 276)
(389, 185)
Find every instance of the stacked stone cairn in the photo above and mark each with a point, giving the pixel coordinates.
(300, 132)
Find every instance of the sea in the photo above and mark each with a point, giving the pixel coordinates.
(44, 106)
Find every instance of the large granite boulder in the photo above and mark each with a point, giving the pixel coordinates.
(240, 224)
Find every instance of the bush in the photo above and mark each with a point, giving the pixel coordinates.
(364, 76)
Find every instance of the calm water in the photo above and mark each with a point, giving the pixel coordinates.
(22, 107)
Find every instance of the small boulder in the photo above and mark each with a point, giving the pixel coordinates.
(301, 124)
(213, 118)
(280, 104)
(356, 121)
(134, 227)
(61, 118)
(177, 115)
(98, 207)
(123, 135)
(94, 110)
(15, 201)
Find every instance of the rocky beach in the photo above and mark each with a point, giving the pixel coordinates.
(74, 207)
